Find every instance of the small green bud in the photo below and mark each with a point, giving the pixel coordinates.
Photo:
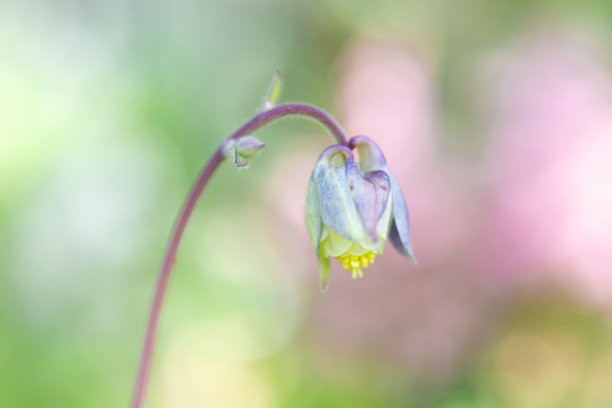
(243, 148)
(273, 93)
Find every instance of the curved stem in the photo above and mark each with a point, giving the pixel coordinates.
(258, 121)
(288, 109)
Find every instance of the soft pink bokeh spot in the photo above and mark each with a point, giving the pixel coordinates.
(551, 165)
(385, 92)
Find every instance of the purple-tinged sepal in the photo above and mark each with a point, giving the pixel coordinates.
(400, 224)
(370, 156)
(370, 193)
(373, 159)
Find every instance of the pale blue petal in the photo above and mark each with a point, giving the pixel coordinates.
(400, 226)
(370, 193)
(336, 206)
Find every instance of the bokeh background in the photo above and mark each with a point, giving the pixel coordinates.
(496, 117)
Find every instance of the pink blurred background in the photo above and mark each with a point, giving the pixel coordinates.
(495, 117)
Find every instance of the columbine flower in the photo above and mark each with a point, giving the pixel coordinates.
(351, 209)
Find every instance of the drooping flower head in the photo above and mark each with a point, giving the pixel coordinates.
(351, 209)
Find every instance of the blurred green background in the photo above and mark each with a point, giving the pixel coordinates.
(496, 118)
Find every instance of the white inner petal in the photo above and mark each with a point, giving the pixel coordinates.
(333, 244)
(358, 249)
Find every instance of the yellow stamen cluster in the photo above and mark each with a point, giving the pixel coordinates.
(354, 263)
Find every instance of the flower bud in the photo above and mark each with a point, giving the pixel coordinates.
(242, 149)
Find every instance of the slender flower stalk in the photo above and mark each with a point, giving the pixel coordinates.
(261, 119)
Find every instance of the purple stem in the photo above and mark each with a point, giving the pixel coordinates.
(261, 119)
